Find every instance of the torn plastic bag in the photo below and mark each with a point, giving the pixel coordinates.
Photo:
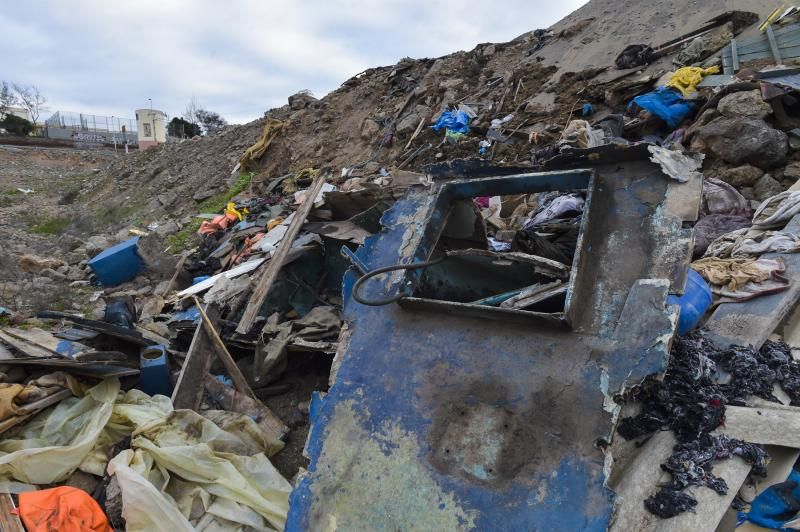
(665, 103)
(455, 121)
(634, 55)
(775, 507)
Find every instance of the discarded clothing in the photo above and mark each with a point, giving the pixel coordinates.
(569, 203)
(666, 104)
(745, 243)
(687, 79)
(779, 501)
(634, 55)
(721, 198)
(712, 227)
(322, 323)
(690, 402)
(204, 473)
(777, 210)
(455, 121)
(64, 508)
(742, 279)
(679, 166)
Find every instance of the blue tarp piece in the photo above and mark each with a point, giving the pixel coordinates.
(455, 121)
(776, 505)
(667, 104)
(190, 314)
(118, 264)
(587, 110)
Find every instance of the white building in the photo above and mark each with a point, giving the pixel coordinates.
(151, 126)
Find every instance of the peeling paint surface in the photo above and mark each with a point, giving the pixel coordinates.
(441, 421)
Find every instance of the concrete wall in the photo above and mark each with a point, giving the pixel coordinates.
(151, 126)
(91, 137)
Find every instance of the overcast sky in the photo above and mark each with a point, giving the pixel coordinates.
(238, 57)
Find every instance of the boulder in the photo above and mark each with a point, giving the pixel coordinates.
(96, 244)
(167, 228)
(369, 129)
(792, 171)
(408, 124)
(742, 140)
(744, 104)
(301, 100)
(741, 176)
(36, 264)
(766, 187)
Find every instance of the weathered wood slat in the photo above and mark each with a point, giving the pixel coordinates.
(276, 263)
(188, 392)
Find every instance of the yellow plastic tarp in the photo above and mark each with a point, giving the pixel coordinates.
(75, 434)
(686, 79)
(204, 476)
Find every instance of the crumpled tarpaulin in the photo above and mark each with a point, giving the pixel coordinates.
(777, 210)
(742, 279)
(185, 472)
(665, 103)
(687, 79)
(321, 323)
(455, 121)
(65, 509)
(254, 152)
(721, 198)
(745, 243)
(76, 434)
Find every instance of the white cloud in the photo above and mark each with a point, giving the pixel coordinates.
(239, 57)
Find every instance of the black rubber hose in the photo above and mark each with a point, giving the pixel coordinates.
(373, 273)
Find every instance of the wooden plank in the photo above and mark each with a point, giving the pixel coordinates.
(26, 348)
(99, 370)
(48, 342)
(178, 269)
(229, 399)
(31, 409)
(273, 269)
(233, 370)
(751, 322)
(115, 331)
(776, 54)
(734, 56)
(188, 392)
(763, 425)
(9, 522)
(5, 353)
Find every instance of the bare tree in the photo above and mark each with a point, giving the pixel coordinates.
(191, 111)
(31, 98)
(7, 98)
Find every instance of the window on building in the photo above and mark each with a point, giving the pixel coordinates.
(147, 130)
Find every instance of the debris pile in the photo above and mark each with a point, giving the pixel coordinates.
(559, 298)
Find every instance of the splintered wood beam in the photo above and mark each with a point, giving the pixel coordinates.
(276, 263)
(236, 375)
(188, 392)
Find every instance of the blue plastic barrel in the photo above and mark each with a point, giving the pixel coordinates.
(694, 302)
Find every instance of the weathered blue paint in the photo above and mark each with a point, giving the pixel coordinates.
(441, 422)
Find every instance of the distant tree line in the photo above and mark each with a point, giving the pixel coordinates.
(196, 120)
(28, 97)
